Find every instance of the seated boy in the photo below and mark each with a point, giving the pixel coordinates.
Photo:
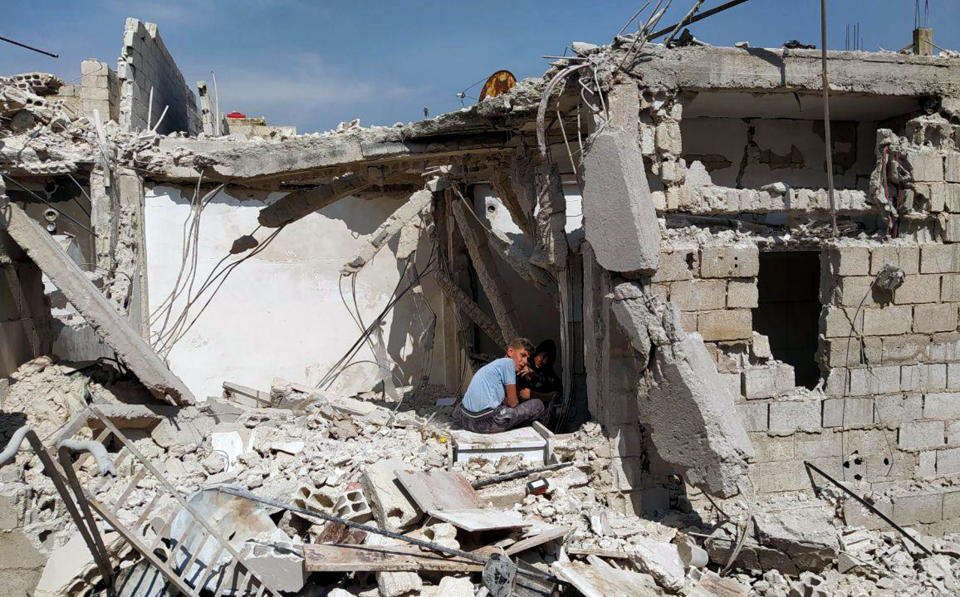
(491, 403)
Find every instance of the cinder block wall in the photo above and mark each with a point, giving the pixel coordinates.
(145, 63)
(99, 90)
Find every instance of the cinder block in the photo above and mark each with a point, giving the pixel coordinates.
(660, 290)
(953, 376)
(754, 415)
(926, 166)
(857, 290)
(951, 227)
(953, 197)
(678, 264)
(948, 461)
(918, 288)
(732, 261)
(890, 320)
(844, 352)
(941, 406)
(939, 317)
(688, 321)
(742, 294)
(848, 260)
(775, 477)
(939, 258)
(835, 322)
(953, 432)
(848, 412)
(919, 508)
(927, 465)
(935, 194)
(787, 416)
(729, 324)
(906, 258)
(825, 444)
(919, 435)
(951, 505)
(951, 166)
(893, 409)
(950, 288)
(855, 515)
(699, 295)
(773, 448)
(732, 382)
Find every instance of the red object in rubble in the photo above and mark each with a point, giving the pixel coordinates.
(236, 115)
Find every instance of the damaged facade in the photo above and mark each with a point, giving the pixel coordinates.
(665, 219)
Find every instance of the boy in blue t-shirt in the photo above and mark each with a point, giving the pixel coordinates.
(492, 403)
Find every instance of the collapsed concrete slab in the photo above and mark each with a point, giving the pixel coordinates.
(112, 328)
(692, 419)
(619, 219)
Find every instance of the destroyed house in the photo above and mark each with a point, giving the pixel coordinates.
(725, 314)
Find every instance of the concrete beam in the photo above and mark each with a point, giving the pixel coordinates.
(417, 203)
(468, 307)
(298, 204)
(619, 218)
(551, 248)
(475, 238)
(109, 325)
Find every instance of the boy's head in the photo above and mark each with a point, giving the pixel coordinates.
(519, 350)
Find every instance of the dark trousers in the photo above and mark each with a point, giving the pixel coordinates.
(502, 418)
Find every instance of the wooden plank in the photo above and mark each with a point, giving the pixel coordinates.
(366, 558)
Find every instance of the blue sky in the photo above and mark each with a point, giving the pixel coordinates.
(314, 64)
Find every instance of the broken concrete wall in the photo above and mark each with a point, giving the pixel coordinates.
(280, 313)
(145, 64)
(99, 90)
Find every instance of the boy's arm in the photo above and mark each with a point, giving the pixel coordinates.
(511, 399)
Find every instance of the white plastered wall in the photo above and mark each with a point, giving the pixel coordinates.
(280, 313)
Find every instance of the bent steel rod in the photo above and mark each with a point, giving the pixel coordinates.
(868, 505)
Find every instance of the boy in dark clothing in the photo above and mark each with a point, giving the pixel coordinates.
(539, 376)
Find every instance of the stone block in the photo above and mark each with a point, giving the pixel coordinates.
(848, 260)
(773, 448)
(941, 406)
(789, 416)
(891, 410)
(731, 381)
(825, 444)
(919, 435)
(887, 321)
(856, 515)
(939, 317)
(953, 376)
(730, 261)
(754, 415)
(729, 324)
(953, 197)
(678, 264)
(930, 377)
(699, 295)
(944, 347)
(688, 321)
(927, 465)
(760, 346)
(918, 288)
(742, 294)
(950, 288)
(906, 258)
(760, 382)
(911, 509)
(939, 258)
(935, 193)
(926, 166)
(842, 352)
(848, 412)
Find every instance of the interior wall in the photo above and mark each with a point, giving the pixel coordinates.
(778, 150)
(280, 313)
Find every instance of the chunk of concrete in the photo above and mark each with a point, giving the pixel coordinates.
(390, 504)
(660, 560)
(805, 535)
(394, 584)
(455, 586)
(95, 308)
(618, 215)
(691, 416)
(279, 564)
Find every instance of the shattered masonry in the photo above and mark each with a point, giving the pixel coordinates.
(673, 236)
